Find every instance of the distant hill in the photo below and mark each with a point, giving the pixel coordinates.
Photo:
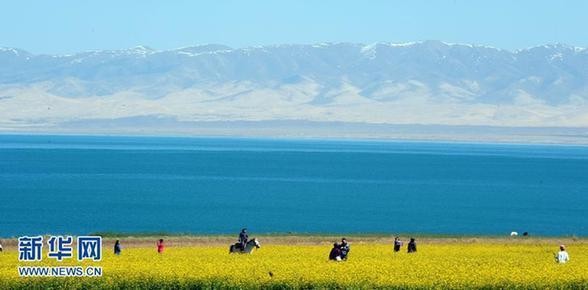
(428, 82)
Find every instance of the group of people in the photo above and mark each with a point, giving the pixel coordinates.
(160, 245)
(118, 247)
(340, 251)
(411, 247)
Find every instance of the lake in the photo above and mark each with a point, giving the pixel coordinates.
(87, 184)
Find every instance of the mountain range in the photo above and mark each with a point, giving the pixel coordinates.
(426, 83)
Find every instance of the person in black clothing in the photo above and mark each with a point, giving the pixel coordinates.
(335, 254)
(117, 247)
(412, 246)
(397, 244)
(344, 249)
(243, 238)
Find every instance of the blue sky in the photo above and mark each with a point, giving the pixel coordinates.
(61, 26)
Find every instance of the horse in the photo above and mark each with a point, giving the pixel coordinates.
(249, 247)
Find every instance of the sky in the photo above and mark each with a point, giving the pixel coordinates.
(68, 26)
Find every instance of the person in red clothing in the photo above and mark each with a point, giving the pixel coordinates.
(160, 246)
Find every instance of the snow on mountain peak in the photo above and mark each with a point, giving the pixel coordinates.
(14, 51)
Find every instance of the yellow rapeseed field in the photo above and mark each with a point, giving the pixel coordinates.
(477, 265)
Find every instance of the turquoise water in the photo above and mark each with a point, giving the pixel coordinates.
(78, 185)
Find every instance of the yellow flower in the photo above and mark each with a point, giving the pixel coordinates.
(370, 265)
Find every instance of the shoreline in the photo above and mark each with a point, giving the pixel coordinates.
(177, 240)
(572, 141)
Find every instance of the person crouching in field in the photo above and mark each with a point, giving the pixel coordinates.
(335, 254)
(412, 246)
(117, 247)
(562, 256)
(344, 249)
(160, 246)
(397, 244)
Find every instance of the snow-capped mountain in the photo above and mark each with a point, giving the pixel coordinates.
(428, 82)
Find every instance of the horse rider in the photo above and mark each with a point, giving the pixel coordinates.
(243, 238)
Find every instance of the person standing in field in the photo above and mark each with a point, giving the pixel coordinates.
(412, 246)
(562, 256)
(397, 244)
(160, 246)
(117, 247)
(344, 249)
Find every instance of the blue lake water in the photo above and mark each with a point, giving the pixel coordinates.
(81, 184)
